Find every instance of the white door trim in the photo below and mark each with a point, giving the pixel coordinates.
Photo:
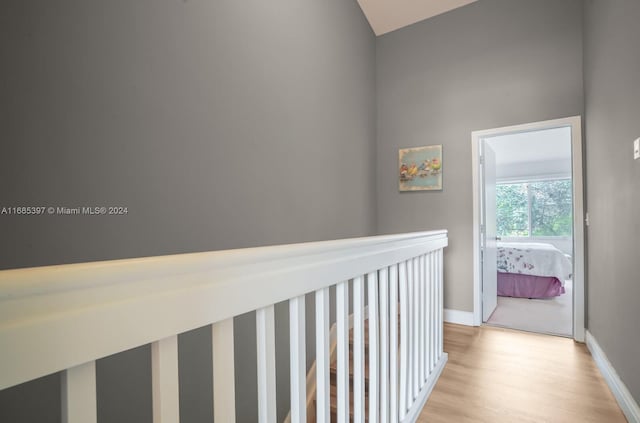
(575, 122)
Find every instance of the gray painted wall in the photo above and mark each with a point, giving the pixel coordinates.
(612, 90)
(489, 64)
(219, 124)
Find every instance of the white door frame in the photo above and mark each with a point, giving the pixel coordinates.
(575, 122)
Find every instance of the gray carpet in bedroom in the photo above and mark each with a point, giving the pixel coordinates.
(552, 316)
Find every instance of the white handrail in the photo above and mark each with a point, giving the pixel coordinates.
(16, 283)
(78, 313)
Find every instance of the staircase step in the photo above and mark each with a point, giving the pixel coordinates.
(366, 340)
(366, 335)
(333, 371)
(333, 375)
(333, 379)
(334, 405)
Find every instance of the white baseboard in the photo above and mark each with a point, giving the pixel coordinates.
(458, 317)
(626, 402)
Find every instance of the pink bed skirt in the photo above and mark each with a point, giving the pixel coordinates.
(527, 286)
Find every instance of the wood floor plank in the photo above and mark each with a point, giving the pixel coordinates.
(499, 375)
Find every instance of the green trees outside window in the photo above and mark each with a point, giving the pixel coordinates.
(540, 208)
(512, 210)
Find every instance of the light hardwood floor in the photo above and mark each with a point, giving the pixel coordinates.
(501, 375)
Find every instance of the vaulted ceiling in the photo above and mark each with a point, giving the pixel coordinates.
(388, 15)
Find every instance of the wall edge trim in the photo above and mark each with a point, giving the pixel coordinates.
(624, 398)
(458, 317)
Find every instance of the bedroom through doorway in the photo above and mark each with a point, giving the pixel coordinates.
(529, 207)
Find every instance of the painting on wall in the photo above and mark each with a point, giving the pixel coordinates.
(420, 168)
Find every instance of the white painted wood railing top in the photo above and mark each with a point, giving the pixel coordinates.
(57, 317)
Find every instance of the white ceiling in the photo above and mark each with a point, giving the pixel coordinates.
(535, 146)
(388, 15)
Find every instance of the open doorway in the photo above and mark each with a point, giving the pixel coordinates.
(528, 227)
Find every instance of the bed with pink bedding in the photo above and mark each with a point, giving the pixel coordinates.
(531, 270)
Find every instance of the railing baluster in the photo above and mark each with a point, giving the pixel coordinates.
(164, 377)
(323, 398)
(342, 350)
(428, 314)
(425, 327)
(79, 394)
(416, 329)
(374, 364)
(440, 278)
(436, 271)
(404, 341)
(266, 349)
(437, 301)
(224, 391)
(298, 359)
(434, 313)
(421, 319)
(430, 335)
(410, 322)
(358, 350)
(384, 345)
(393, 344)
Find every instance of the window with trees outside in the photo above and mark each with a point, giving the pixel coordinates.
(534, 208)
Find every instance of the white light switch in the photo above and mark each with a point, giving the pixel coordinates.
(636, 149)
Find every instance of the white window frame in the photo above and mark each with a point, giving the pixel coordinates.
(526, 182)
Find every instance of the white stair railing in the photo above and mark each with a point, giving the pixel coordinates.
(55, 319)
